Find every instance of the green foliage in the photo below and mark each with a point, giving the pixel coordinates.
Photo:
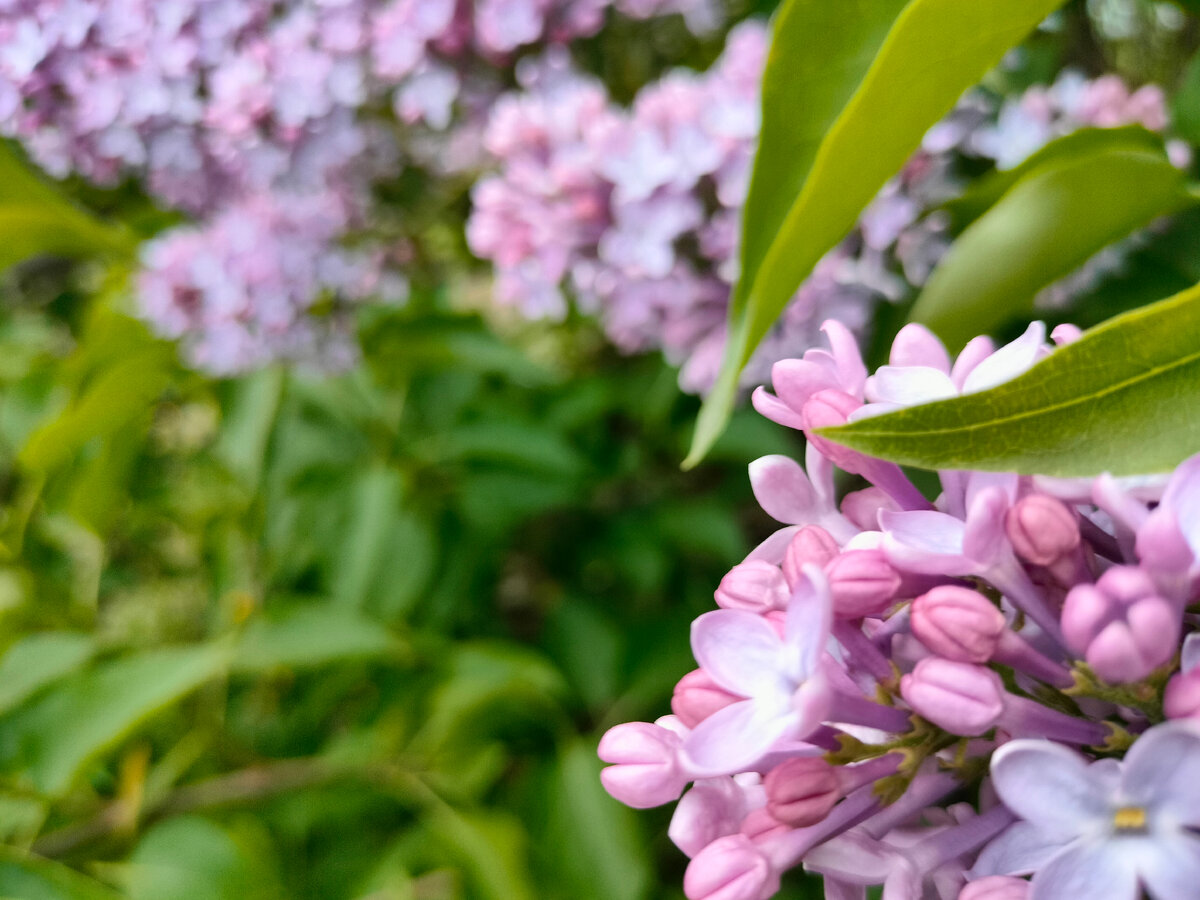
(1110, 402)
(848, 93)
(1056, 214)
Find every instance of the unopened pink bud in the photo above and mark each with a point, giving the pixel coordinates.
(862, 582)
(1041, 529)
(957, 623)
(812, 545)
(996, 887)
(862, 507)
(759, 824)
(645, 772)
(1120, 626)
(1181, 699)
(802, 791)
(756, 586)
(730, 868)
(959, 697)
(697, 697)
(828, 409)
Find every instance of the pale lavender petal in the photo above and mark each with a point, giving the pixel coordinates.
(739, 650)
(916, 345)
(1162, 771)
(1089, 871)
(977, 350)
(984, 540)
(1170, 866)
(852, 371)
(1182, 497)
(809, 619)
(773, 548)
(1190, 657)
(784, 491)
(1008, 362)
(909, 385)
(820, 474)
(1021, 849)
(836, 889)
(733, 738)
(854, 857)
(775, 409)
(1051, 786)
(925, 542)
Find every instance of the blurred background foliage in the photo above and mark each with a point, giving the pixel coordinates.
(292, 635)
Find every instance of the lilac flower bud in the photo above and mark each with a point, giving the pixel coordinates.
(759, 824)
(730, 868)
(1121, 627)
(863, 583)
(959, 697)
(957, 623)
(645, 772)
(1041, 529)
(802, 791)
(697, 697)
(1181, 699)
(996, 887)
(812, 545)
(713, 808)
(756, 586)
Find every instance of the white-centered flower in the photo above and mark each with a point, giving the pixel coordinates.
(1103, 830)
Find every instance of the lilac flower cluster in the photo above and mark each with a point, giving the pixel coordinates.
(938, 697)
(265, 111)
(634, 214)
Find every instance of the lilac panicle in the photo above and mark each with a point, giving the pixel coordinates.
(1025, 642)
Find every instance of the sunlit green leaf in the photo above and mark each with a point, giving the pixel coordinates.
(193, 859)
(38, 660)
(312, 635)
(849, 91)
(1048, 224)
(1118, 400)
(27, 877)
(57, 733)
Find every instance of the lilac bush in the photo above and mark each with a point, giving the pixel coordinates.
(268, 113)
(633, 214)
(942, 696)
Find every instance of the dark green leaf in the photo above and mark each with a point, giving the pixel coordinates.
(1048, 224)
(849, 91)
(1118, 400)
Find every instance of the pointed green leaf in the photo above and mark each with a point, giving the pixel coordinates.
(29, 877)
(1119, 400)
(38, 660)
(1047, 225)
(54, 735)
(849, 91)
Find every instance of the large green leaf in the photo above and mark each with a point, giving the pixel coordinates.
(849, 91)
(38, 660)
(312, 636)
(29, 877)
(1121, 400)
(191, 858)
(1048, 224)
(53, 736)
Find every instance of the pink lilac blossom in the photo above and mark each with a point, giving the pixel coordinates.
(633, 214)
(224, 108)
(1028, 643)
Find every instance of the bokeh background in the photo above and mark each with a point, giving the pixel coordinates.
(340, 499)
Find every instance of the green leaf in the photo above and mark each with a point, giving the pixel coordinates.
(1185, 104)
(38, 660)
(191, 858)
(1118, 400)
(597, 844)
(31, 878)
(849, 91)
(985, 192)
(1048, 224)
(491, 847)
(311, 636)
(56, 734)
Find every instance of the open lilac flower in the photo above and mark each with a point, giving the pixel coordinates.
(781, 678)
(1014, 639)
(1104, 828)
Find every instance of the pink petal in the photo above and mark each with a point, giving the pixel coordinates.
(775, 409)
(924, 542)
(732, 739)
(739, 650)
(851, 369)
(916, 345)
(784, 491)
(909, 385)
(1008, 362)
